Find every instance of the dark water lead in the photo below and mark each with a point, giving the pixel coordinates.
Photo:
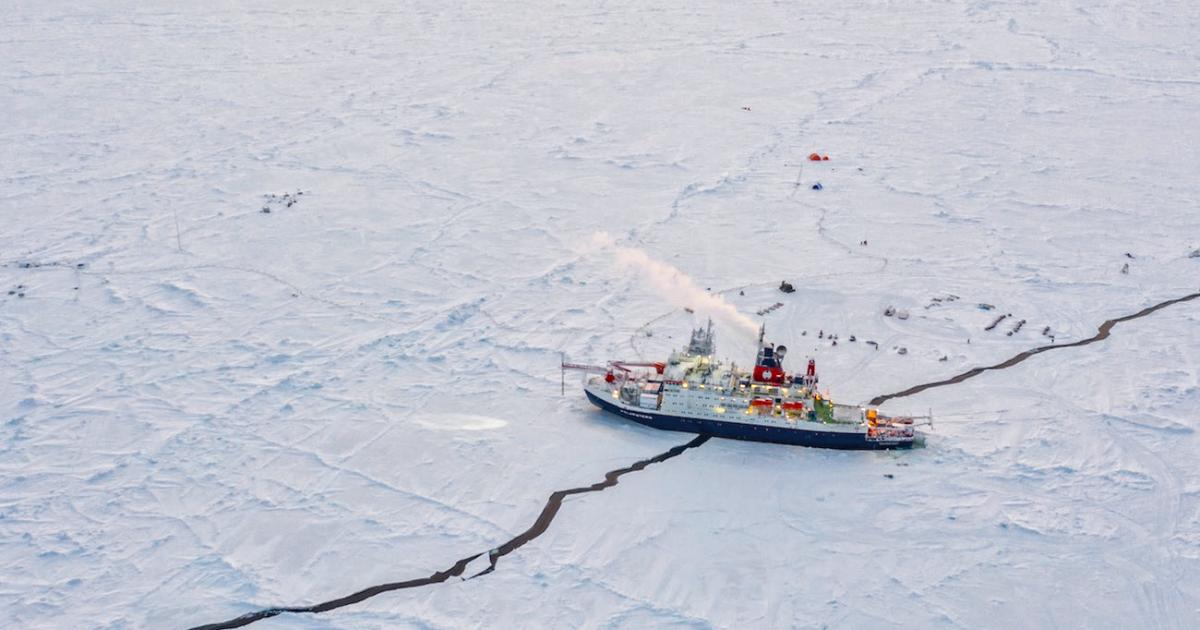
(537, 529)
(1101, 334)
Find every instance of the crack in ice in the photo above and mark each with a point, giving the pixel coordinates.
(539, 527)
(1101, 334)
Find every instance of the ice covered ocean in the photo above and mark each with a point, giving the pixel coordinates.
(207, 409)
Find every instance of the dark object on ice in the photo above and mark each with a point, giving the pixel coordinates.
(803, 333)
(902, 350)
(79, 266)
(889, 475)
(786, 287)
(985, 307)
(1046, 331)
(821, 334)
(818, 186)
(873, 344)
(688, 309)
(852, 338)
(286, 199)
(1125, 268)
(835, 342)
(889, 311)
(20, 295)
(1195, 253)
(944, 358)
(746, 108)
(11, 292)
(1017, 328)
(1128, 255)
(741, 293)
(996, 323)
(769, 309)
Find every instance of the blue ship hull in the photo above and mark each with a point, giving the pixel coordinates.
(740, 431)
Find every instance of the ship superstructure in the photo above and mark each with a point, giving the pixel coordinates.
(694, 392)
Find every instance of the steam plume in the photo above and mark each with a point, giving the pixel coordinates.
(676, 286)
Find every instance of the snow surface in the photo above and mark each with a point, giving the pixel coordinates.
(206, 409)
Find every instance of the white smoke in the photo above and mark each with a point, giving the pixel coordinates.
(676, 287)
